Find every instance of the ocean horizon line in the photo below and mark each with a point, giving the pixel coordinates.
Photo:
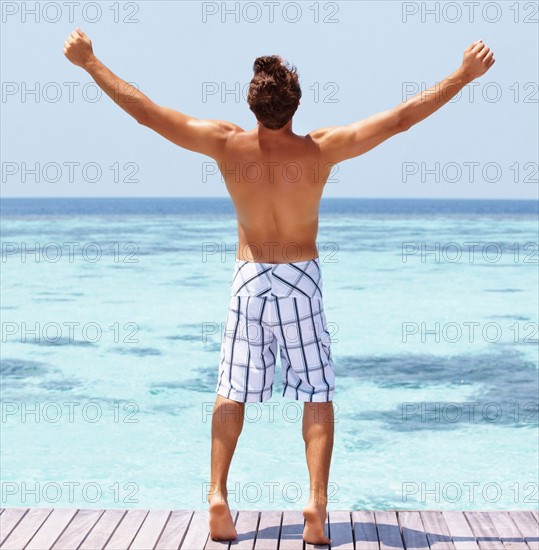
(228, 198)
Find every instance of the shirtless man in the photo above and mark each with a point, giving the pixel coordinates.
(275, 179)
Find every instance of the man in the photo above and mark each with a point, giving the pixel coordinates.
(275, 179)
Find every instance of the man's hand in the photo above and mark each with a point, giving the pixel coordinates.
(78, 48)
(477, 60)
(339, 143)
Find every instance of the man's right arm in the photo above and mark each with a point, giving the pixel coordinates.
(338, 143)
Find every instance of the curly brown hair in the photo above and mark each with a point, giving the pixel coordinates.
(274, 92)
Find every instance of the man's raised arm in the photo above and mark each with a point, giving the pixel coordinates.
(338, 143)
(202, 136)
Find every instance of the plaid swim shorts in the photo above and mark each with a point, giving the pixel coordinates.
(276, 304)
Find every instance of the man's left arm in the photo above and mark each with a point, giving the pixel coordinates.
(202, 136)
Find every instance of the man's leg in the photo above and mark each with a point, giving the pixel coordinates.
(227, 423)
(318, 429)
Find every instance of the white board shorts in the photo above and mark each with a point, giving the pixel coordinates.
(276, 304)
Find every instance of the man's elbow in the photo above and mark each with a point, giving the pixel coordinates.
(403, 126)
(142, 118)
(146, 114)
(402, 121)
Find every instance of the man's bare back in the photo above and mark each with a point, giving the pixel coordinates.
(276, 182)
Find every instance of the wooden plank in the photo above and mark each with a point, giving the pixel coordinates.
(484, 530)
(81, 525)
(221, 544)
(175, 530)
(51, 530)
(26, 528)
(10, 520)
(389, 533)
(151, 530)
(198, 532)
(127, 530)
(102, 530)
(246, 526)
(525, 521)
(413, 532)
(508, 532)
(461, 533)
(364, 530)
(436, 530)
(340, 530)
(292, 531)
(269, 529)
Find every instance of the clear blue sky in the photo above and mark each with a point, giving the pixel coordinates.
(362, 60)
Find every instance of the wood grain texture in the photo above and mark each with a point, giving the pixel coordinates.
(484, 531)
(388, 528)
(52, 529)
(77, 530)
(528, 526)
(102, 530)
(269, 530)
(365, 531)
(175, 530)
(198, 534)
(9, 520)
(436, 530)
(96, 529)
(460, 530)
(26, 528)
(412, 530)
(340, 530)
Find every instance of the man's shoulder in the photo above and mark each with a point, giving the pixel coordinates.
(320, 134)
(230, 127)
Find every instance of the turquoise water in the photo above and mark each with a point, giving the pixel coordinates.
(108, 403)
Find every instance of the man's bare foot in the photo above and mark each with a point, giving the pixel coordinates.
(315, 519)
(220, 519)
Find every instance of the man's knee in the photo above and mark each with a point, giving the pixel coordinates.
(228, 410)
(321, 412)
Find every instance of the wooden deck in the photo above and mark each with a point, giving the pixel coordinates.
(89, 529)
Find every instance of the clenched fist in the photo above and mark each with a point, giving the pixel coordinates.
(477, 60)
(78, 48)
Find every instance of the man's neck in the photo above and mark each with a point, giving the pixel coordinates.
(268, 134)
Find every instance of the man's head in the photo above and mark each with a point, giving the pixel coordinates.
(274, 92)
